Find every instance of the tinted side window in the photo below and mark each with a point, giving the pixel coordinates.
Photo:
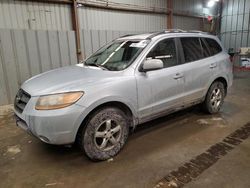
(191, 48)
(165, 50)
(214, 47)
(206, 52)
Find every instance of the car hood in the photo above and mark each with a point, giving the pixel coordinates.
(71, 78)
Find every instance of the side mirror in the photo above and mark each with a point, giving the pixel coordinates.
(151, 64)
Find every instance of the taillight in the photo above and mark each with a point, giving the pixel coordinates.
(230, 59)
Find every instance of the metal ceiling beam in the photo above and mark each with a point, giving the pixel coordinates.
(120, 8)
(51, 1)
(188, 15)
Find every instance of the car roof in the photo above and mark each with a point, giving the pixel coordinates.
(173, 32)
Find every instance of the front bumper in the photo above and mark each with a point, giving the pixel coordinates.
(51, 126)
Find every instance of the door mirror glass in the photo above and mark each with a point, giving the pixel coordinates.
(152, 64)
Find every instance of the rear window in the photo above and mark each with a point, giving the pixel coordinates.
(213, 46)
(191, 48)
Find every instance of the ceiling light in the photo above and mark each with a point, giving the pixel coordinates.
(210, 3)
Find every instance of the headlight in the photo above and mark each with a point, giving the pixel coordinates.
(55, 101)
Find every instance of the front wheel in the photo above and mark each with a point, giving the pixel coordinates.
(214, 98)
(105, 133)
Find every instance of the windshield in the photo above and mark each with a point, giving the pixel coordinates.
(117, 55)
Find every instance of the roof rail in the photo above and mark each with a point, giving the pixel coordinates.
(196, 31)
(128, 35)
(166, 31)
(175, 31)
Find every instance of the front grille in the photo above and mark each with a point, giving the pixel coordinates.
(22, 98)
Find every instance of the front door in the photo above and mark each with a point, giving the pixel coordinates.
(160, 90)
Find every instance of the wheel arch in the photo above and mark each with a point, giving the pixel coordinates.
(118, 104)
(218, 78)
(224, 81)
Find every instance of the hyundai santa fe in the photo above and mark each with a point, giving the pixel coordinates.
(127, 82)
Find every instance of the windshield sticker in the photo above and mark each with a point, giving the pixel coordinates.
(140, 44)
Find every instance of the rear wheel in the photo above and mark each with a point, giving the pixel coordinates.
(104, 134)
(214, 98)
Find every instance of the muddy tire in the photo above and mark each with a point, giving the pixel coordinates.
(214, 98)
(104, 134)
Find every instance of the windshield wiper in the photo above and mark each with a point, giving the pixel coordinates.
(97, 65)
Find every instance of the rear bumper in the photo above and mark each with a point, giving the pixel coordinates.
(51, 126)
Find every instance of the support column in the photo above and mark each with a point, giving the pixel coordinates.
(75, 22)
(170, 15)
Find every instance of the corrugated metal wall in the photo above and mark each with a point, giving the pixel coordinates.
(187, 23)
(92, 18)
(34, 15)
(49, 16)
(235, 28)
(25, 53)
(37, 37)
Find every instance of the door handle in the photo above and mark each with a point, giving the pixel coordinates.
(212, 65)
(178, 75)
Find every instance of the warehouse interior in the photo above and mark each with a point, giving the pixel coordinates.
(187, 148)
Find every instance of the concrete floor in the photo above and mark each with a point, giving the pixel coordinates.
(153, 151)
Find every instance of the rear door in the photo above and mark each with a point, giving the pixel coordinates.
(220, 57)
(198, 67)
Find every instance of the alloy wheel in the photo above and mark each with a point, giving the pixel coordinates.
(107, 135)
(216, 98)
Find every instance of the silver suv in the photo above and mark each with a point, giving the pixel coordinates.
(129, 81)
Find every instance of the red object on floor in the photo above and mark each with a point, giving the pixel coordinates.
(241, 68)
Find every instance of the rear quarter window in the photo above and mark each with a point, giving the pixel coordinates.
(206, 52)
(213, 46)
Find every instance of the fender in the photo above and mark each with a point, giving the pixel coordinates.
(209, 83)
(88, 109)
